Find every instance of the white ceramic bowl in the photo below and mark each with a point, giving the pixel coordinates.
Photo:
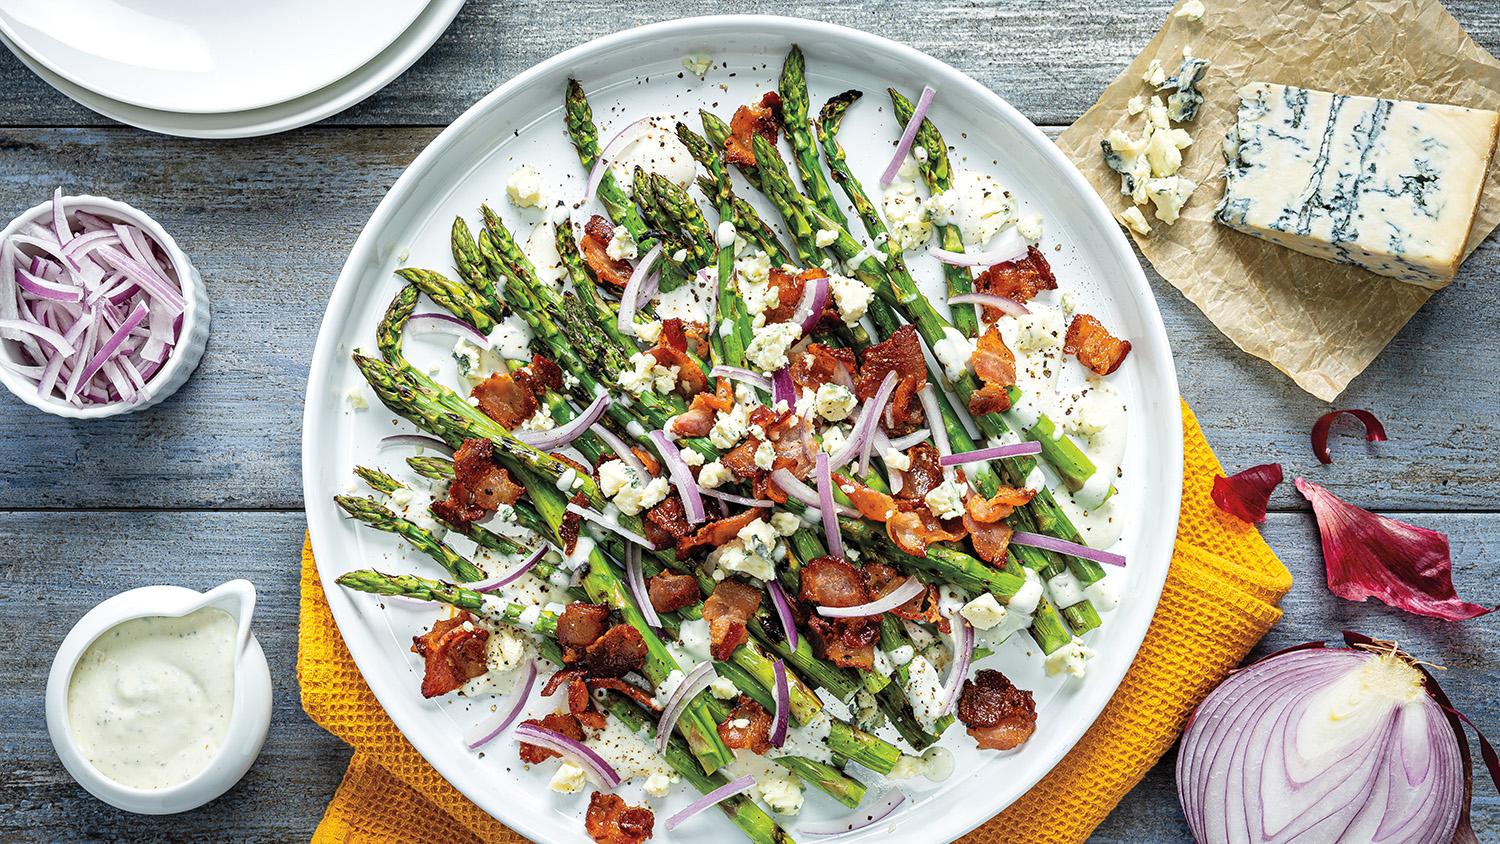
(248, 722)
(190, 342)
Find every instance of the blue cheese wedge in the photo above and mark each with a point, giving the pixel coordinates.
(1387, 185)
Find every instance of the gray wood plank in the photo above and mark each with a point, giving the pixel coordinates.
(1049, 57)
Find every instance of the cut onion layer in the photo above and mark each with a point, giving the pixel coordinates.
(682, 477)
(783, 613)
(783, 693)
(826, 505)
(563, 434)
(486, 731)
(418, 441)
(910, 134)
(592, 763)
(1374, 431)
(911, 588)
(696, 681)
(737, 499)
(713, 798)
(613, 527)
(814, 300)
(434, 323)
(992, 453)
(630, 297)
(877, 812)
(1008, 246)
(806, 494)
(621, 450)
(493, 583)
(637, 581)
(869, 419)
(735, 373)
(994, 300)
(1063, 546)
(618, 144)
(963, 654)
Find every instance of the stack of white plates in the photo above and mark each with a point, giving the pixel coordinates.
(221, 69)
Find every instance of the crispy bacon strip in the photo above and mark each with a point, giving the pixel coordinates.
(820, 365)
(580, 705)
(696, 422)
(667, 522)
(1095, 347)
(908, 523)
(480, 484)
(727, 610)
(611, 821)
(618, 652)
(671, 592)
(454, 652)
(571, 523)
(832, 582)
(754, 734)
(595, 245)
(671, 350)
(579, 626)
(925, 473)
(996, 367)
(557, 722)
(1020, 279)
(883, 580)
(999, 506)
(999, 715)
(511, 398)
(901, 353)
(716, 533)
(637, 693)
(762, 119)
(789, 291)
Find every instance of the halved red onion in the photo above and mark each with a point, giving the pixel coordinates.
(783, 613)
(493, 583)
(485, 731)
(826, 504)
(613, 527)
(630, 297)
(1374, 431)
(783, 715)
(418, 440)
(433, 323)
(996, 452)
(682, 477)
(637, 581)
(616, 145)
(994, 300)
(963, 654)
(806, 494)
(737, 499)
(909, 589)
(869, 418)
(782, 388)
(917, 116)
(564, 434)
(696, 681)
(735, 373)
(576, 751)
(877, 812)
(713, 798)
(1063, 546)
(1007, 246)
(814, 300)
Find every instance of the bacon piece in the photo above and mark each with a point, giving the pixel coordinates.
(999, 506)
(741, 459)
(638, 694)
(915, 528)
(754, 735)
(580, 705)
(996, 367)
(696, 422)
(557, 722)
(820, 365)
(790, 289)
(762, 119)
(884, 580)
(832, 582)
(648, 460)
(925, 473)
(579, 626)
(671, 592)
(716, 533)
(991, 539)
(901, 353)
(504, 399)
(611, 821)
(666, 522)
(618, 652)
(1095, 347)
(454, 652)
(480, 484)
(571, 523)
(731, 605)
(835, 650)
(763, 487)
(671, 350)
(539, 376)
(1020, 279)
(872, 504)
(999, 715)
(595, 248)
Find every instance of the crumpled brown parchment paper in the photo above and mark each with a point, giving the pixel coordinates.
(1318, 322)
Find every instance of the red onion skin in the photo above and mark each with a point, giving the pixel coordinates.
(1246, 494)
(1374, 431)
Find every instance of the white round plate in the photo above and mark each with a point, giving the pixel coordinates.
(291, 114)
(629, 75)
(205, 57)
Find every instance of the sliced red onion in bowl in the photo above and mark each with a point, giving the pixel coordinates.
(814, 300)
(493, 583)
(783, 613)
(592, 763)
(993, 300)
(564, 434)
(996, 452)
(696, 681)
(1007, 246)
(861, 818)
(911, 588)
(1063, 546)
(614, 527)
(910, 134)
(417, 440)
(636, 579)
(485, 731)
(963, 654)
(434, 323)
(735, 373)
(630, 297)
(783, 715)
(682, 477)
(806, 494)
(827, 506)
(713, 798)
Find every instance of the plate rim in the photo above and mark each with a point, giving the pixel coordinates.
(341, 299)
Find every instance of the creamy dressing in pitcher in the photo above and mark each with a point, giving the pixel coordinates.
(149, 701)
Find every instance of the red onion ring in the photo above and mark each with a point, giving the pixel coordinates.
(879, 811)
(993, 300)
(735, 373)
(431, 323)
(713, 798)
(682, 477)
(1062, 546)
(991, 453)
(1009, 245)
(564, 434)
(1374, 431)
(696, 681)
(783, 613)
(485, 731)
(493, 583)
(910, 134)
(591, 762)
(910, 588)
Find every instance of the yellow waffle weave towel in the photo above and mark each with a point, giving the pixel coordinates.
(1220, 599)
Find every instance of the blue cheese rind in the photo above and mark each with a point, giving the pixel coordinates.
(1387, 185)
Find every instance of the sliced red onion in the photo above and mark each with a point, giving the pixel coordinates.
(783, 704)
(637, 581)
(911, 588)
(630, 297)
(485, 731)
(826, 504)
(806, 494)
(696, 681)
(60, 218)
(737, 499)
(904, 147)
(417, 440)
(625, 453)
(1062, 546)
(493, 583)
(159, 287)
(869, 418)
(877, 812)
(935, 419)
(1008, 246)
(963, 654)
(58, 343)
(615, 146)
(993, 300)
(112, 345)
(713, 798)
(432, 323)
(735, 373)
(38, 286)
(903, 443)
(814, 300)
(598, 519)
(682, 477)
(564, 434)
(992, 453)
(782, 388)
(80, 246)
(592, 763)
(783, 613)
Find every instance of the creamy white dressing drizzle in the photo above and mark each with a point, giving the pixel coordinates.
(149, 701)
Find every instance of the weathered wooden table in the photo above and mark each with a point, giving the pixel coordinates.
(206, 486)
